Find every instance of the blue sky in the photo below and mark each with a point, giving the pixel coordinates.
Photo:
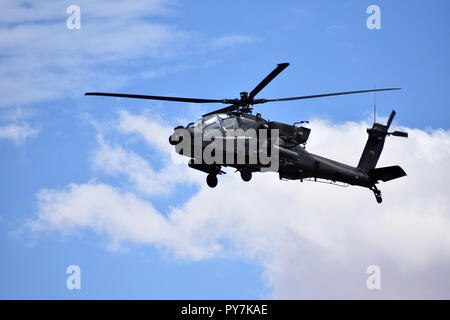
(52, 137)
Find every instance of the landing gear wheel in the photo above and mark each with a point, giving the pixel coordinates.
(379, 199)
(211, 180)
(246, 174)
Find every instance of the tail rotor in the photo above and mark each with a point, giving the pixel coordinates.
(394, 133)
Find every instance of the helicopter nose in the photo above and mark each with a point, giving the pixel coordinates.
(176, 139)
(172, 141)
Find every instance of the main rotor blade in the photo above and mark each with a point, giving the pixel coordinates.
(322, 95)
(223, 110)
(136, 96)
(267, 79)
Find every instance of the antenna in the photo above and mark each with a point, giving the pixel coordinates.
(375, 106)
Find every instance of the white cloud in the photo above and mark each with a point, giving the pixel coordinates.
(116, 160)
(18, 133)
(122, 217)
(155, 133)
(313, 240)
(13, 125)
(231, 40)
(43, 60)
(18, 11)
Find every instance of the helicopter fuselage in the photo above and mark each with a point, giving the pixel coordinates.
(293, 162)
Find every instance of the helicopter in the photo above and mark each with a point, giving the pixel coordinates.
(234, 132)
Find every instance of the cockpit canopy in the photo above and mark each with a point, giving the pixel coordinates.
(216, 121)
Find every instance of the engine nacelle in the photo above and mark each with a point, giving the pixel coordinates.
(290, 134)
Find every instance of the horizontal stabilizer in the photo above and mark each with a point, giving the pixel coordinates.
(387, 173)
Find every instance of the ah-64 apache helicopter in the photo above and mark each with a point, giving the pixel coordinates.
(293, 161)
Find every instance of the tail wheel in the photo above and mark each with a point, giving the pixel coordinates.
(379, 199)
(211, 180)
(377, 194)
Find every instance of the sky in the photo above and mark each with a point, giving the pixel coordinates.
(93, 181)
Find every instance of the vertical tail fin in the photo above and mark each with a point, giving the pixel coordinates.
(375, 143)
(374, 147)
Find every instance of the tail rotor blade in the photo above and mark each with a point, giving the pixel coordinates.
(391, 117)
(399, 134)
